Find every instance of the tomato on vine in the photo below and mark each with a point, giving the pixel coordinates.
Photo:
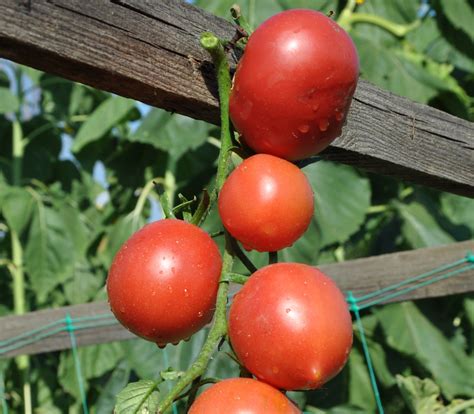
(266, 203)
(242, 395)
(290, 326)
(163, 281)
(294, 84)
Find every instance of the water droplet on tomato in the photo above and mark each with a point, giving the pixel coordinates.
(122, 309)
(275, 370)
(323, 124)
(315, 107)
(186, 293)
(304, 128)
(339, 116)
(200, 314)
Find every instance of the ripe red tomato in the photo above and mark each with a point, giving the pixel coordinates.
(242, 395)
(266, 203)
(290, 326)
(163, 282)
(294, 84)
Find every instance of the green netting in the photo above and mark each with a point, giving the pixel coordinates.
(356, 304)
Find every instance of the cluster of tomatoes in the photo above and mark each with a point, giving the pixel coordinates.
(289, 325)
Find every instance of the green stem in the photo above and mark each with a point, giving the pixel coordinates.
(240, 20)
(234, 278)
(219, 327)
(399, 30)
(18, 276)
(218, 330)
(272, 257)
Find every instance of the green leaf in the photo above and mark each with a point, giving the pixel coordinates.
(4, 80)
(49, 254)
(173, 133)
(106, 116)
(341, 197)
(83, 285)
(17, 207)
(360, 388)
(419, 227)
(408, 331)
(469, 309)
(138, 398)
(421, 396)
(428, 39)
(95, 361)
(8, 101)
(55, 95)
(460, 13)
(460, 210)
(119, 233)
(116, 382)
(377, 66)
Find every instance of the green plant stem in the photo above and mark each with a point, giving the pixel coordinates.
(272, 257)
(219, 327)
(399, 30)
(239, 19)
(348, 17)
(18, 276)
(234, 278)
(217, 331)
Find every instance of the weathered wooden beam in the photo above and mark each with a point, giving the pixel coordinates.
(149, 50)
(361, 276)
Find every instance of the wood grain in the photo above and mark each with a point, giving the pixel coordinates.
(361, 276)
(149, 50)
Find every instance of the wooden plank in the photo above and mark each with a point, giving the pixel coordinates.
(360, 276)
(149, 50)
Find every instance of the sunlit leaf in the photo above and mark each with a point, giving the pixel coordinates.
(419, 226)
(106, 116)
(408, 331)
(138, 398)
(8, 101)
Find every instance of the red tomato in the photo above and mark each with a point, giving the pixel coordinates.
(294, 84)
(266, 203)
(163, 282)
(290, 326)
(242, 395)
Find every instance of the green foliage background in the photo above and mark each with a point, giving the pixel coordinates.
(70, 224)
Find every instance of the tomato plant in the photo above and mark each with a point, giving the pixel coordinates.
(163, 281)
(290, 326)
(242, 395)
(294, 84)
(266, 203)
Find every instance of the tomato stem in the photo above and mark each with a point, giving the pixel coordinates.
(219, 327)
(272, 257)
(217, 331)
(240, 20)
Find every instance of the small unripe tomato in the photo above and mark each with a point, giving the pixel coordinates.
(242, 395)
(290, 326)
(294, 84)
(266, 203)
(163, 281)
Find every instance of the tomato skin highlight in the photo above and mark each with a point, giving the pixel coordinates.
(163, 281)
(242, 395)
(290, 326)
(294, 84)
(266, 203)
